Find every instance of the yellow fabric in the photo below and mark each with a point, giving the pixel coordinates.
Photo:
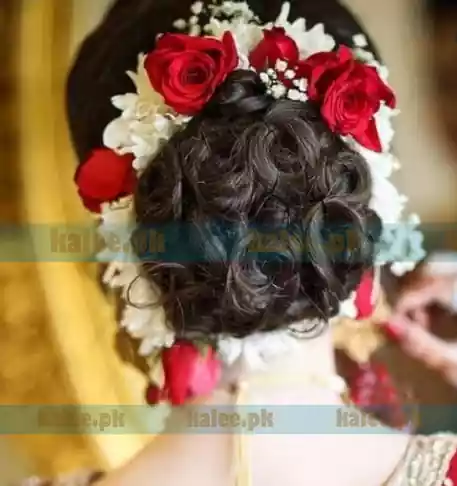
(80, 320)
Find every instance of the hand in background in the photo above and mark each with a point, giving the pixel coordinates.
(429, 290)
(418, 342)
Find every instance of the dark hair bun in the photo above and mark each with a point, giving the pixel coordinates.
(250, 165)
(242, 93)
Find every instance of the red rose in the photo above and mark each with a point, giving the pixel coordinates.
(105, 177)
(276, 45)
(364, 296)
(322, 69)
(154, 395)
(186, 70)
(189, 373)
(350, 92)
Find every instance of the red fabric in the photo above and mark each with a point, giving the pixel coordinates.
(452, 471)
(373, 390)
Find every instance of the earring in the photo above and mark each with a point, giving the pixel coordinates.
(308, 328)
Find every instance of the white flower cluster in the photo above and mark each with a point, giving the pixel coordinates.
(278, 89)
(146, 122)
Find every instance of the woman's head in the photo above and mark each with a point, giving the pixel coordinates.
(247, 163)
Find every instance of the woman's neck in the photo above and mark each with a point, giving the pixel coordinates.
(311, 357)
(305, 374)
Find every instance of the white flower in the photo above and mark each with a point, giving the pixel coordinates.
(265, 78)
(294, 94)
(302, 85)
(386, 200)
(197, 8)
(116, 230)
(243, 62)
(140, 163)
(246, 36)
(256, 350)
(363, 55)
(195, 30)
(238, 9)
(401, 268)
(143, 318)
(180, 24)
(316, 40)
(283, 21)
(142, 148)
(309, 42)
(402, 244)
(278, 90)
(381, 164)
(360, 40)
(119, 275)
(148, 325)
(140, 135)
(117, 134)
(126, 103)
(281, 66)
(119, 212)
(348, 308)
(384, 126)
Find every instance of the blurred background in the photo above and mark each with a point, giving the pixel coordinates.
(56, 326)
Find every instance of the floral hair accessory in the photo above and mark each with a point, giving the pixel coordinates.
(187, 70)
(350, 93)
(182, 372)
(173, 83)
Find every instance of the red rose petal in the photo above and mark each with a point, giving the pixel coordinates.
(231, 53)
(188, 373)
(93, 205)
(344, 54)
(154, 395)
(206, 375)
(172, 42)
(369, 138)
(276, 45)
(364, 296)
(178, 362)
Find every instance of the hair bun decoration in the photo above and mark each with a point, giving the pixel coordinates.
(240, 66)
